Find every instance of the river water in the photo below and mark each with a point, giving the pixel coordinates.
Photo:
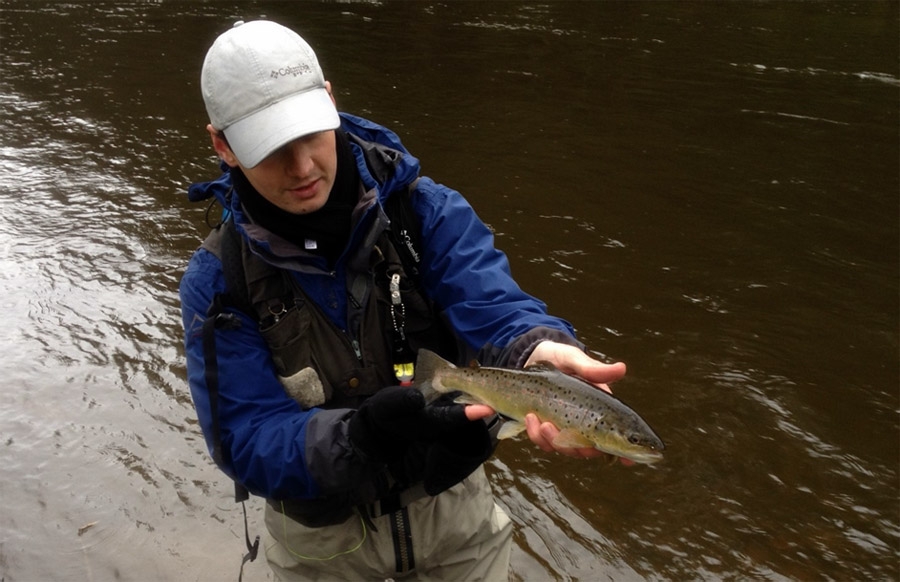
(709, 192)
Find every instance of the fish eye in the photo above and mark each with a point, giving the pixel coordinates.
(633, 439)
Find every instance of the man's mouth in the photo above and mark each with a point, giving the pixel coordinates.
(304, 190)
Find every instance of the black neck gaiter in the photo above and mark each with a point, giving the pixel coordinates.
(324, 232)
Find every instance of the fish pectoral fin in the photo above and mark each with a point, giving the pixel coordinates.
(464, 398)
(571, 439)
(510, 429)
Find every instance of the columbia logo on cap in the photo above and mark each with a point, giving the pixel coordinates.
(293, 70)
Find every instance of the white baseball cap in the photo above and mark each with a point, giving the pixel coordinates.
(263, 87)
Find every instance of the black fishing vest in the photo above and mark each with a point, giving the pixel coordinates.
(390, 317)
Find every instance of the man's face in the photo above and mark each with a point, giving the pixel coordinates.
(297, 177)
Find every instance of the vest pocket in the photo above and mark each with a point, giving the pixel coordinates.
(301, 340)
(359, 382)
(288, 341)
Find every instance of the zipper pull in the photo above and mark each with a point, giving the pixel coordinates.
(395, 289)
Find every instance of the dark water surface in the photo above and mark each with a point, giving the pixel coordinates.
(710, 192)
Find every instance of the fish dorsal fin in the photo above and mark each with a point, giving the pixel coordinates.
(542, 366)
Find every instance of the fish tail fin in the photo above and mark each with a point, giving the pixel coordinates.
(428, 367)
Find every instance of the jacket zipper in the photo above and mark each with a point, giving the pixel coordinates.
(354, 341)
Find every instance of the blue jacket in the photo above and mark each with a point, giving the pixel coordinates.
(273, 447)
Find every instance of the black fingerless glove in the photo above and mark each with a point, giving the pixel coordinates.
(454, 456)
(435, 444)
(386, 423)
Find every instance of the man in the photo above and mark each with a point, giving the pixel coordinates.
(303, 312)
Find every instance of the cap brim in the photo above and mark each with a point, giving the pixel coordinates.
(258, 135)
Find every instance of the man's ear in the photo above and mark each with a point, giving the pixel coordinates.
(330, 94)
(223, 150)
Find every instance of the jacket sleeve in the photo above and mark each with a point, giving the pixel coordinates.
(470, 280)
(265, 440)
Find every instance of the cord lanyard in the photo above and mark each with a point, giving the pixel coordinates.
(404, 367)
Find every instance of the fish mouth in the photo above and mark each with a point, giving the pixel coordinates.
(642, 457)
(647, 457)
(645, 454)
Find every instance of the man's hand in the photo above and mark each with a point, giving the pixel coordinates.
(571, 360)
(436, 443)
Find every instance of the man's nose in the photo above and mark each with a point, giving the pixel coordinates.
(299, 159)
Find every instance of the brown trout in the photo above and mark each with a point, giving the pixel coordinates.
(585, 415)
